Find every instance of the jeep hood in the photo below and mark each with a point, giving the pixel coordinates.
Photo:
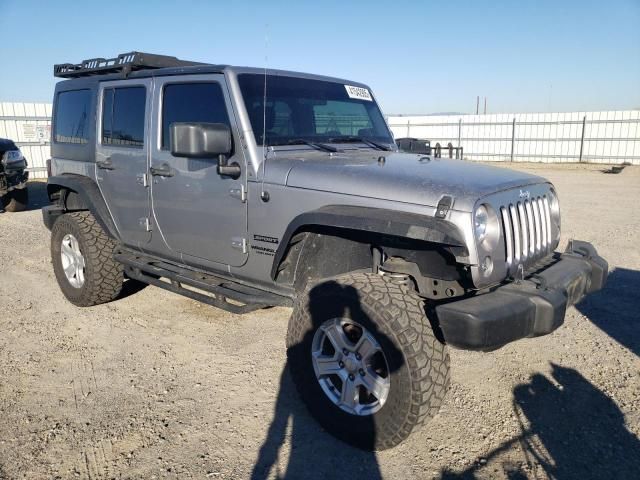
(401, 177)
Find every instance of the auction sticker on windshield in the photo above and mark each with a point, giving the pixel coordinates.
(358, 93)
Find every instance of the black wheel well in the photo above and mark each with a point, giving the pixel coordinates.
(66, 197)
(318, 251)
(74, 193)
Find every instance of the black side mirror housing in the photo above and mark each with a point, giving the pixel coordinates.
(204, 140)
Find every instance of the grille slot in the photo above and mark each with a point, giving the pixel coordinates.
(527, 231)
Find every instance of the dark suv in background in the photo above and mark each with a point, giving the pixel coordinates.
(14, 195)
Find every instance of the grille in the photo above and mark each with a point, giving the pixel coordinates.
(527, 231)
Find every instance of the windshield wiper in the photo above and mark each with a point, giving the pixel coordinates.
(355, 139)
(319, 146)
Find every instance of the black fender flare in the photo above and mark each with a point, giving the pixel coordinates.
(381, 221)
(89, 198)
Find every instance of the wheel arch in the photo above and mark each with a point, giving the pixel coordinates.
(339, 239)
(72, 193)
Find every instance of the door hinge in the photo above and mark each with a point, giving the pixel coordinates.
(142, 179)
(239, 193)
(145, 223)
(239, 243)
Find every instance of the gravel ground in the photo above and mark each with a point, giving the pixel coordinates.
(154, 385)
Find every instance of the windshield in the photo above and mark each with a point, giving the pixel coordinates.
(310, 110)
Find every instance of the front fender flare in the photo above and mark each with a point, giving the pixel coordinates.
(380, 221)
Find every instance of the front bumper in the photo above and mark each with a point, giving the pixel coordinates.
(528, 308)
(13, 180)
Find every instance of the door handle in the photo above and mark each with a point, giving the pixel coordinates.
(105, 164)
(163, 170)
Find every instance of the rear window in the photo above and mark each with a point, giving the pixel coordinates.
(123, 116)
(72, 122)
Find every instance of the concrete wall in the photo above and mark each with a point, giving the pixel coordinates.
(593, 137)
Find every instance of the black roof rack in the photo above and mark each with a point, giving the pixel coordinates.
(124, 63)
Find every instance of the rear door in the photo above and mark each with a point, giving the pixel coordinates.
(200, 214)
(122, 156)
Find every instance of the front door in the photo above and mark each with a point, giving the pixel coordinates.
(200, 214)
(121, 156)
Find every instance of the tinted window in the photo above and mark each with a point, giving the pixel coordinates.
(192, 102)
(72, 122)
(123, 116)
(309, 109)
(342, 118)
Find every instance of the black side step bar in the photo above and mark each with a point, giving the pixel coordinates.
(218, 290)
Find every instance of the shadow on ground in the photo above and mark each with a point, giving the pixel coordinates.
(131, 287)
(569, 429)
(314, 453)
(615, 309)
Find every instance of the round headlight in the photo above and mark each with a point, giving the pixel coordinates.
(480, 223)
(486, 227)
(12, 156)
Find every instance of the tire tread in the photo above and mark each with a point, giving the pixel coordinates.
(401, 312)
(103, 275)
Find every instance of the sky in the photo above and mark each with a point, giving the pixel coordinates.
(418, 57)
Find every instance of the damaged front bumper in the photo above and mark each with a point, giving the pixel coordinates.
(527, 308)
(13, 180)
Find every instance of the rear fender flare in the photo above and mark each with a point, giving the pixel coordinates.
(88, 197)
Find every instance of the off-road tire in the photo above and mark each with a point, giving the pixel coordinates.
(418, 361)
(103, 275)
(16, 200)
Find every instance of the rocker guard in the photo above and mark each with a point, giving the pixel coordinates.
(529, 308)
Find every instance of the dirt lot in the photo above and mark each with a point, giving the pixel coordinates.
(157, 386)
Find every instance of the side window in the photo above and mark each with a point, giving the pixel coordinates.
(72, 122)
(192, 102)
(123, 116)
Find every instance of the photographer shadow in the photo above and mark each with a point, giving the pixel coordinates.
(313, 452)
(569, 428)
(616, 309)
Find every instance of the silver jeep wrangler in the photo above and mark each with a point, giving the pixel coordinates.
(245, 188)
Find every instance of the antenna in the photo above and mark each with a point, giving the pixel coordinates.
(264, 195)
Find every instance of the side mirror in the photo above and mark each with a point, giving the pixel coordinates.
(204, 140)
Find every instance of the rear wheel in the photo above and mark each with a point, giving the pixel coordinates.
(82, 257)
(16, 200)
(365, 360)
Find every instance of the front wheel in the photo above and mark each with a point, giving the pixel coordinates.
(365, 360)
